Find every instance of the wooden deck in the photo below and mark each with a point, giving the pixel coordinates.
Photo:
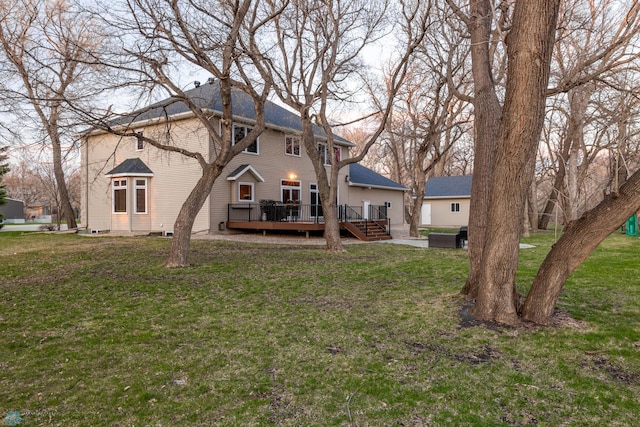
(276, 225)
(305, 218)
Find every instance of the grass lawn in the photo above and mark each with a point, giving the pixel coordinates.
(95, 332)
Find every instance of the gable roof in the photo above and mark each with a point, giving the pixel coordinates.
(360, 176)
(207, 96)
(448, 186)
(131, 167)
(240, 170)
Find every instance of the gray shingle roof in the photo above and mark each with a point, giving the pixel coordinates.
(448, 186)
(240, 170)
(365, 177)
(207, 96)
(131, 167)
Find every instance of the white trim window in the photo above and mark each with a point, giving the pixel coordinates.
(241, 131)
(387, 205)
(291, 191)
(119, 195)
(323, 150)
(292, 145)
(246, 192)
(139, 141)
(140, 199)
(455, 207)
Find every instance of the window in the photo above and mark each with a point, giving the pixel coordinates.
(245, 192)
(139, 141)
(292, 146)
(291, 191)
(323, 150)
(387, 205)
(141, 196)
(455, 207)
(119, 189)
(239, 132)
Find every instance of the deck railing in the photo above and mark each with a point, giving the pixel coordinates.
(293, 212)
(279, 212)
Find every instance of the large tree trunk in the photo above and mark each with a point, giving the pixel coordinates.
(332, 228)
(487, 112)
(63, 193)
(529, 47)
(327, 190)
(575, 245)
(416, 208)
(179, 252)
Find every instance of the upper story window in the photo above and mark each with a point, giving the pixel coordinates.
(239, 132)
(292, 145)
(323, 149)
(139, 141)
(119, 189)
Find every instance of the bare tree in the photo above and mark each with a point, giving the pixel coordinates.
(46, 49)
(595, 45)
(484, 47)
(529, 41)
(33, 181)
(429, 123)
(160, 36)
(435, 115)
(317, 52)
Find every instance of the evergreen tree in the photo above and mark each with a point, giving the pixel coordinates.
(4, 168)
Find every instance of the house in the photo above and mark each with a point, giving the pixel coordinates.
(368, 188)
(129, 186)
(13, 211)
(446, 201)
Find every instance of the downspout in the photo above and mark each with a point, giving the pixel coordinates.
(85, 160)
(130, 206)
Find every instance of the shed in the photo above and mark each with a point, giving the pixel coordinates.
(446, 201)
(13, 211)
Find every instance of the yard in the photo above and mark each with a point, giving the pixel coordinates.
(95, 332)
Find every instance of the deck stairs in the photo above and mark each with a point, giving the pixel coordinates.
(367, 231)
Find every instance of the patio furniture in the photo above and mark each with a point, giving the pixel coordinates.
(444, 240)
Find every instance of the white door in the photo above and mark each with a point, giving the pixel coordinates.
(426, 214)
(365, 209)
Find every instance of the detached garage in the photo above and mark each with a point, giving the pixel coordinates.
(446, 201)
(13, 211)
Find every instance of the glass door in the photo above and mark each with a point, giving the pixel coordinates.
(314, 201)
(291, 192)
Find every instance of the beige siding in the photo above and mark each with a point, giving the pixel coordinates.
(174, 177)
(274, 166)
(356, 196)
(441, 215)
